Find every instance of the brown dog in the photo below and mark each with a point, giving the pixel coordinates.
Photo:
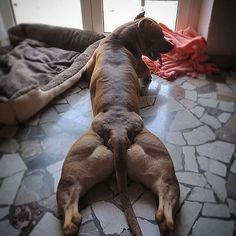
(117, 137)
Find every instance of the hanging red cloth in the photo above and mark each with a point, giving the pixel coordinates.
(188, 56)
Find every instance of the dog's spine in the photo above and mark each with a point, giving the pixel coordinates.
(119, 146)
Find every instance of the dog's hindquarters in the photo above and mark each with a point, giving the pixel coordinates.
(149, 162)
(87, 163)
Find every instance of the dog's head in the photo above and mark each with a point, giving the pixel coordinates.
(153, 38)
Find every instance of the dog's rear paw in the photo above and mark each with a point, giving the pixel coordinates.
(71, 230)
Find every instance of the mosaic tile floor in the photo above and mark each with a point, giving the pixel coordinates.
(195, 118)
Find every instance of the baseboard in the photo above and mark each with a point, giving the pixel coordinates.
(224, 61)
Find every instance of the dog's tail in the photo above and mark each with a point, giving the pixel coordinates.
(119, 144)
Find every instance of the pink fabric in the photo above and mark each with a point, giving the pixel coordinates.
(187, 57)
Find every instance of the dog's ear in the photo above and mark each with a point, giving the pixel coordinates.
(140, 15)
(144, 23)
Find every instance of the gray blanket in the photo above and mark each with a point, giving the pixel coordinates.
(43, 56)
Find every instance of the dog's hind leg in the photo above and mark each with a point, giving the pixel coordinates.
(149, 162)
(68, 198)
(87, 163)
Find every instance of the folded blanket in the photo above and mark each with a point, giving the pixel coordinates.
(188, 57)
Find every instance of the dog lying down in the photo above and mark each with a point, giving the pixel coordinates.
(117, 140)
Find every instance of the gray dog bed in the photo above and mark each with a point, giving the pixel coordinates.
(45, 61)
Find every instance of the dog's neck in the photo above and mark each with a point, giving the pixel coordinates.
(126, 38)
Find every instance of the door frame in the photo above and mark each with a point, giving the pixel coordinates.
(187, 14)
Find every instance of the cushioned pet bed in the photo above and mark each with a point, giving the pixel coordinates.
(43, 63)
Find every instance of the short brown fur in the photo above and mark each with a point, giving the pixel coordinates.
(117, 138)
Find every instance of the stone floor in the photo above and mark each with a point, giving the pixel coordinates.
(195, 118)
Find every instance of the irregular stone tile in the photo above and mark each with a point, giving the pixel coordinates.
(49, 115)
(199, 82)
(233, 167)
(126, 233)
(72, 90)
(70, 114)
(218, 185)
(171, 105)
(207, 102)
(201, 195)
(180, 80)
(48, 225)
(4, 212)
(84, 84)
(188, 86)
(198, 111)
(184, 120)
(86, 214)
(62, 108)
(207, 226)
(232, 122)
(226, 106)
(36, 185)
(58, 144)
(231, 183)
(146, 207)
(184, 191)
(30, 148)
(81, 123)
(9, 145)
(11, 164)
(213, 166)
(34, 121)
(217, 150)
(97, 193)
(208, 88)
(212, 95)
(59, 99)
(223, 89)
(187, 103)
(199, 135)
(50, 203)
(146, 101)
(134, 192)
(191, 95)
(224, 117)
(186, 217)
(176, 155)
(55, 171)
(30, 133)
(56, 176)
(51, 128)
(216, 210)
(8, 131)
(226, 134)
(55, 167)
(148, 228)
(7, 229)
(80, 99)
(232, 206)
(191, 178)
(190, 159)
(9, 188)
(211, 121)
(175, 138)
(111, 218)
(88, 229)
(161, 119)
